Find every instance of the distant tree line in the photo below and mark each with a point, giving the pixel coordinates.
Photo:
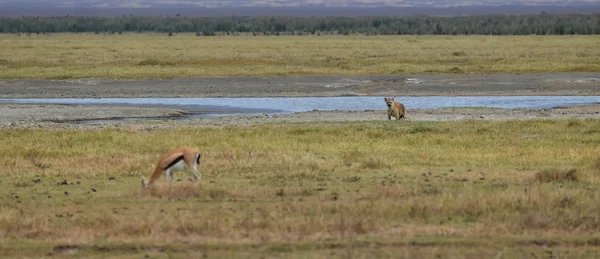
(542, 24)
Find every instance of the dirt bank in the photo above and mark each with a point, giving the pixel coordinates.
(23, 113)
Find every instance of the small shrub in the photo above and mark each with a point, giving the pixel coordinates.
(597, 164)
(459, 53)
(351, 179)
(556, 175)
(574, 123)
(155, 62)
(420, 129)
(301, 192)
(23, 184)
(217, 194)
(352, 157)
(304, 131)
(374, 164)
(455, 70)
(61, 77)
(174, 191)
(592, 131)
(280, 193)
(185, 191)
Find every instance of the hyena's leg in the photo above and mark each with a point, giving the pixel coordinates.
(389, 117)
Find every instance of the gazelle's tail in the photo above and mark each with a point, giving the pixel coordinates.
(144, 183)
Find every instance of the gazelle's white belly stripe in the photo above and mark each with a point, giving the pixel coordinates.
(179, 166)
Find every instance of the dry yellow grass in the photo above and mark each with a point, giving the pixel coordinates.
(62, 56)
(313, 189)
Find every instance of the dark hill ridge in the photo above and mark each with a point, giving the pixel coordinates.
(288, 3)
(14, 8)
(10, 11)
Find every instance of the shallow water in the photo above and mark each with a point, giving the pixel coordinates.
(218, 106)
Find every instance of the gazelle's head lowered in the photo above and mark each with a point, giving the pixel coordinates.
(179, 159)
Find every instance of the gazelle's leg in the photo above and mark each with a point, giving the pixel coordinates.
(196, 174)
(169, 174)
(195, 168)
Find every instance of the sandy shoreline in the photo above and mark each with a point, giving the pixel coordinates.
(101, 116)
(96, 117)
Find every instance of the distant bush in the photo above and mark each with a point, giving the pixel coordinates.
(155, 62)
(542, 24)
(556, 175)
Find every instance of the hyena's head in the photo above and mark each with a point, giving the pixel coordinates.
(389, 101)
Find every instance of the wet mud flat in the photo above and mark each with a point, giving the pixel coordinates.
(299, 86)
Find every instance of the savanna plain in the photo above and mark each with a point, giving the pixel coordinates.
(146, 55)
(465, 188)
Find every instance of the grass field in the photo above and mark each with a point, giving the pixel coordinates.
(63, 56)
(466, 189)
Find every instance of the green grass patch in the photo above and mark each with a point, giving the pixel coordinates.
(305, 189)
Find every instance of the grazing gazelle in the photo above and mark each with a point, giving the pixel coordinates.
(179, 159)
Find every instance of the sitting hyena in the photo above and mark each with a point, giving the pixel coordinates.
(395, 109)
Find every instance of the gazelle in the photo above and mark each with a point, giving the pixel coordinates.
(179, 159)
